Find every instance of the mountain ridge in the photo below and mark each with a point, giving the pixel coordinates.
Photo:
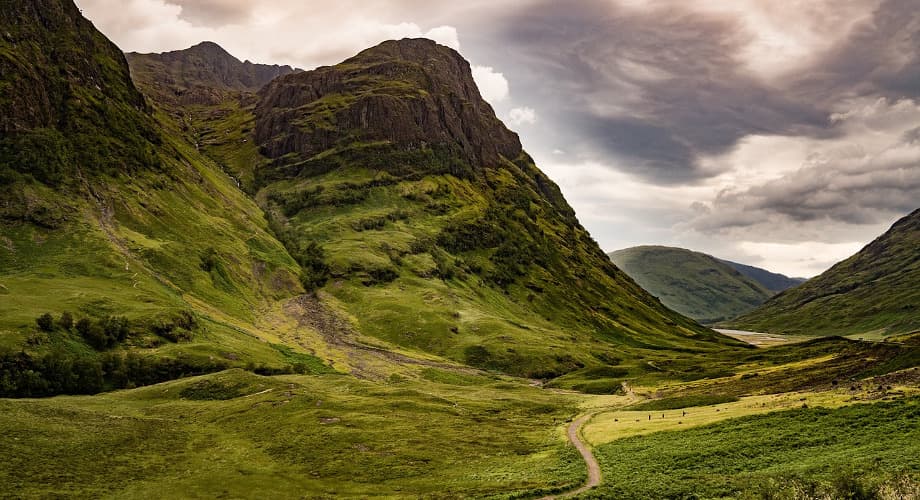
(203, 74)
(775, 282)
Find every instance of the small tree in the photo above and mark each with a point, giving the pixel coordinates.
(45, 322)
(66, 321)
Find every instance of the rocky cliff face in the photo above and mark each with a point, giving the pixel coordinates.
(51, 61)
(411, 93)
(68, 106)
(203, 74)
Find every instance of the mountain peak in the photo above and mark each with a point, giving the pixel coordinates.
(209, 49)
(413, 94)
(201, 74)
(409, 49)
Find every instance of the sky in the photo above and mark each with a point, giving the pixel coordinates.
(781, 134)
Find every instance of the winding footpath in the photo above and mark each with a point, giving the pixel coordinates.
(594, 470)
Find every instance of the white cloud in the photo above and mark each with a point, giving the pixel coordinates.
(492, 85)
(445, 35)
(283, 32)
(522, 115)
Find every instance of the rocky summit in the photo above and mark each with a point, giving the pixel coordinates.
(203, 74)
(411, 93)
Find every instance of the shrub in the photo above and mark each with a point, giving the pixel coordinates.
(176, 327)
(45, 322)
(66, 321)
(314, 270)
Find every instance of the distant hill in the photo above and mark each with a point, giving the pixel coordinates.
(774, 282)
(692, 283)
(202, 74)
(875, 292)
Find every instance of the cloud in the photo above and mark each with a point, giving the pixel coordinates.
(492, 85)
(657, 88)
(522, 115)
(281, 32)
(445, 35)
(213, 13)
(867, 176)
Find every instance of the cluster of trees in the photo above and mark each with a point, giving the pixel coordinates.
(61, 372)
(514, 249)
(314, 271)
(101, 334)
(109, 331)
(379, 222)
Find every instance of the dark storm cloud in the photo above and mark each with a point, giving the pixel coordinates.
(660, 88)
(880, 57)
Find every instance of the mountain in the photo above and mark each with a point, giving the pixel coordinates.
(414, 211)
(126, 257)
(204, 74)
(384, 186)
(875, 292)
(774, 282)
(692, 283)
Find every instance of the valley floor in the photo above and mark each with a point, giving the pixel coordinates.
(448, 434)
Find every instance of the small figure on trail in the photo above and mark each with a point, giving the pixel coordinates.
(683, 413)
(650, 416)
(662, 415)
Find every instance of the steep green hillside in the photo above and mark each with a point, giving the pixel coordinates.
(691, 283)
(107, 214)
(874, 293)
(774, 282)
(412, 207)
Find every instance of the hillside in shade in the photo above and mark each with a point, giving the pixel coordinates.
(876, 292)
(775, 282)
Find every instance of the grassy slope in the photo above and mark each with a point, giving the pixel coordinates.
(221, 435)
(874, 293)
(694, 284)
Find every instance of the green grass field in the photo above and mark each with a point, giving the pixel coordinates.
(856, 451)
(238, 435)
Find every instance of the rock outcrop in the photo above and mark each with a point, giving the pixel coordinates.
(412, 93)
(52, 60)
